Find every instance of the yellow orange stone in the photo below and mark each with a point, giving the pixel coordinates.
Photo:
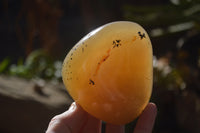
(109, 72)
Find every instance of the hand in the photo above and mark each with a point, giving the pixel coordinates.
(76, 120)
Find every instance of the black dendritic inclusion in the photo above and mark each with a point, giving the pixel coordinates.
(91, 82)
(116, 43)
(142, 35)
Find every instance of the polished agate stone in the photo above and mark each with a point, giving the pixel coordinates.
(109, 72)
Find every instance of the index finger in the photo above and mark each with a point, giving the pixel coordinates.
(73, 121)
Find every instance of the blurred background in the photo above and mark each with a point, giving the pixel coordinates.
(35, 36)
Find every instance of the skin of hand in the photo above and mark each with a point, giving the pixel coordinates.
(76, 120)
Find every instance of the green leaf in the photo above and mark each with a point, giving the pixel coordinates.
(4, 65)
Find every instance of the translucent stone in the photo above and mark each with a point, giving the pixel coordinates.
(109, 72)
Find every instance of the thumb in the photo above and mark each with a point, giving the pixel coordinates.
(146, 120)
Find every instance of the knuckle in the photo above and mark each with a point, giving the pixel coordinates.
(54, 124)
(54, 120)
(57, 124)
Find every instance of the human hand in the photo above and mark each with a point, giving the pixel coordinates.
(76, 120)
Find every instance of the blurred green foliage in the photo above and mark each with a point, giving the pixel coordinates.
(37, 65)
(4, 65)
(179, 15)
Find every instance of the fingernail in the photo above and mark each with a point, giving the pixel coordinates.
(153, 106)
(73, 106)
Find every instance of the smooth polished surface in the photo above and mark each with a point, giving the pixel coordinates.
(109, 72)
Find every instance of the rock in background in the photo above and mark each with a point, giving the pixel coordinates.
(27, 106)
